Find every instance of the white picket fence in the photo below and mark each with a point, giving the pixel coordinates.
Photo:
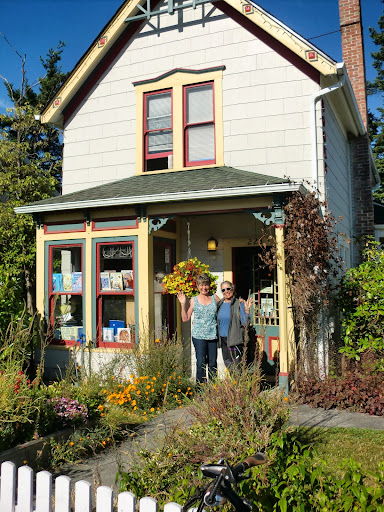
(17, 494)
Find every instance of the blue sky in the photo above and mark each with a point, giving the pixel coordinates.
(34, 26)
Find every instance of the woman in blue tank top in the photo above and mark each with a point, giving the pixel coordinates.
(204, 326)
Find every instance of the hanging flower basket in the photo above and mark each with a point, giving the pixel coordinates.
(183, 278)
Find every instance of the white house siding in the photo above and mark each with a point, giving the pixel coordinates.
(266, 101)
(338, 181)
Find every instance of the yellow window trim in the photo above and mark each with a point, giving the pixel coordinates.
(176, 82)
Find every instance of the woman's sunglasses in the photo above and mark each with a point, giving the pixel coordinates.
(226, 290)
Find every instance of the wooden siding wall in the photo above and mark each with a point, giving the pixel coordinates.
(266, 100)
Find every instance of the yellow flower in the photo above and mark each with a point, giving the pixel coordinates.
(71, 443)
(157, 340)
(103, 443)
(152, 409)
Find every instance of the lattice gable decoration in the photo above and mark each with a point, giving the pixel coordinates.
(135, 11)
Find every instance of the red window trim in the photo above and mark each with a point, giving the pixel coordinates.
(145, 131)
(100, 294)
(52, 294)
(188, 162)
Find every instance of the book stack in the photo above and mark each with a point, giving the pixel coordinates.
(117, 281)
(70, 282)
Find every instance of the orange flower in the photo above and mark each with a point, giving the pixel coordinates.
(71, 443)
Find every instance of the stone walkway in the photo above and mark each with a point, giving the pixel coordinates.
(102, 468)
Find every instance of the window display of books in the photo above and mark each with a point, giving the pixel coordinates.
(70, 282)
(116, 281)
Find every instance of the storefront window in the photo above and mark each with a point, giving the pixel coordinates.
(66, 293)
(115, 294)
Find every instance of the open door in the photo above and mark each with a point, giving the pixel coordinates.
(252, 276)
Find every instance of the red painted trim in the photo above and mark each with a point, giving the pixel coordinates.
(279, 225)
(114, 344)
(273, 43)
(113, 227)
(283, 374)
(133, 27)
(270, 339)
(66, 343)
(46, 232)
(103, 66)
(100, 294)
(164, 154)
(53, 295)
(179, 70)
(187, 162)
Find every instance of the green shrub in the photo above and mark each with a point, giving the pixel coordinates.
(293, 482)
(232, 419)
(361, 298)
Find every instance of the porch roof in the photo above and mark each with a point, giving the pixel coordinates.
(192, 184)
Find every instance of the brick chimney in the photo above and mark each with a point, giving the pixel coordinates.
(353, 57)
(353, 50)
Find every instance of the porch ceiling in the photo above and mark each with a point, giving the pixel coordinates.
(193, 184)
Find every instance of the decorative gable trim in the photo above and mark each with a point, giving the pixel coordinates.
(179, 70)
(117, 33)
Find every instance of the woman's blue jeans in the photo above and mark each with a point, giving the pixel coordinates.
(206, 353)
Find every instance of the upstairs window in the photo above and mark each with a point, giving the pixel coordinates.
(158, 130)
(199, 124)
(179, 120)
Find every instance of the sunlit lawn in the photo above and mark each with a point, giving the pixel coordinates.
(334, 445)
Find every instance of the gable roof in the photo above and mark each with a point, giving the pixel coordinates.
(116, 34)
(193, 184)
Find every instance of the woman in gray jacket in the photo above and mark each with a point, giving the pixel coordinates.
(232, 317)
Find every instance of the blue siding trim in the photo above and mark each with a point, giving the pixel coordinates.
(284, 384)
(75, 226)
(94, 277)
(100, 224)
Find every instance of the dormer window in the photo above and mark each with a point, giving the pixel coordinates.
(180, 120)
(158, 130)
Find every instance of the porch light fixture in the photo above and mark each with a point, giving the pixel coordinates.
(212, 244)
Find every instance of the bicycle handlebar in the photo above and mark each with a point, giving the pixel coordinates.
(255, 460)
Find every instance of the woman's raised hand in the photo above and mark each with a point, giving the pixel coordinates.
(182, 298)
(248, 304)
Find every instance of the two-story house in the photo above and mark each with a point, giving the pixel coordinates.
(186, 125)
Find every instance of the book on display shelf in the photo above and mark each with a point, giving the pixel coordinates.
(108, 333)
(67, 282)
(116, 280)
(127, 279)
(77, 281)
(105, 281)
(57, 282)
(123, 335)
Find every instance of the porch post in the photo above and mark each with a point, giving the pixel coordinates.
(144, 267)
(283, 307)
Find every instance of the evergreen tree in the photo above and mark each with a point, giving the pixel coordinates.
(376, 122)
(30, 170)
